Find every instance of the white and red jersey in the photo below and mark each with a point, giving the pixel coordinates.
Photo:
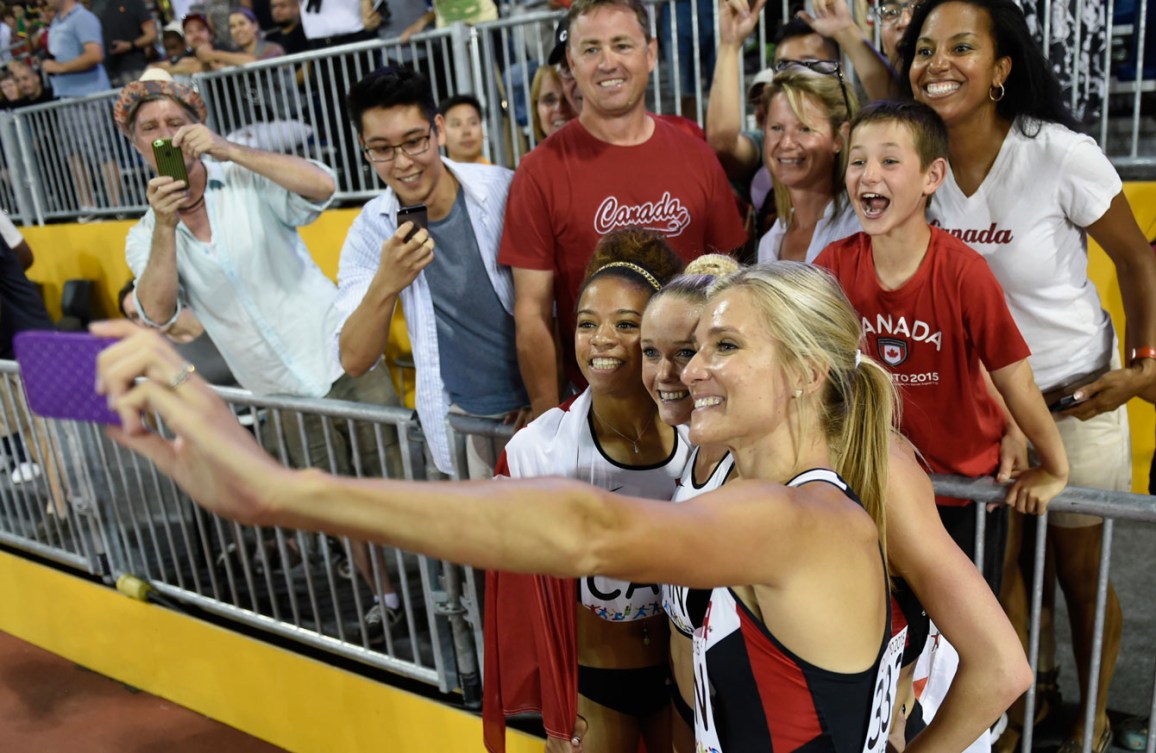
(686, 606)
(561, 442)
(932, 333)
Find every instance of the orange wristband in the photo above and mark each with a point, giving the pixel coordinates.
(1145, 352)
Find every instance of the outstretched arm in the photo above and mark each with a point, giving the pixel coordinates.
(993, 670)
(553, 526)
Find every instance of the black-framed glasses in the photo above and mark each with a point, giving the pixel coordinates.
(888, 13)
(388, 152)
(823, 67)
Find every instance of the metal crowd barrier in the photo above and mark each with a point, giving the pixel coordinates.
(103, 510)
(58, 156)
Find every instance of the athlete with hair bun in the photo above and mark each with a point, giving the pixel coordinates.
(613, 437)
(668, 327)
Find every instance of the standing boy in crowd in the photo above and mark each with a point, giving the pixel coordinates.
(935, 315)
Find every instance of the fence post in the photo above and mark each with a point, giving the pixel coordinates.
(22, 169)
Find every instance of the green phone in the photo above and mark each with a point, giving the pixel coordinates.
(170, 160)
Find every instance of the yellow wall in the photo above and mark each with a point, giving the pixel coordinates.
(96, 251)
(297, 703)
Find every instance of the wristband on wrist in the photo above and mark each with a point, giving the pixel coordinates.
(1145, 352)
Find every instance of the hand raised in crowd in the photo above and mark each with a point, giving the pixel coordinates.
(401, 260)
(830, 17)
(165, 196)
(1033, 490)
(737, 19)
(197, 140)
(1114, 389)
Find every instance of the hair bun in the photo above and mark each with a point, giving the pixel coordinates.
(716, 265)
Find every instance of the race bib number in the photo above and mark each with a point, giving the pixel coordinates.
(883, 701)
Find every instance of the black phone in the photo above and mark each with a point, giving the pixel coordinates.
(1064, 403)
(417, 215)
(170, 160)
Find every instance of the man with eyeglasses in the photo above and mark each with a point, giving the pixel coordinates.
(893, 18)
(460, 327)
(614, 166)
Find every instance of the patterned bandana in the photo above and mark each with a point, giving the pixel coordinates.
(136, 91)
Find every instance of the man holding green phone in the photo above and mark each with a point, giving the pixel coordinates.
(221, 234)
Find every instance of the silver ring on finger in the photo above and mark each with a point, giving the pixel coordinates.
(181, 376)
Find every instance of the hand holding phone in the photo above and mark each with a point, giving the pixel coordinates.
(170, 160)
(1068, 401)
(59, 373)
(417, 214)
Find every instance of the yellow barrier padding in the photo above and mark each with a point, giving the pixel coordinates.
(96, 251)
(297, 703)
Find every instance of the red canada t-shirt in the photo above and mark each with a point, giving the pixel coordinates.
(573, 189)
(932, 334)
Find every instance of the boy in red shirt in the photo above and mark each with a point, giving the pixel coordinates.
(935, 315)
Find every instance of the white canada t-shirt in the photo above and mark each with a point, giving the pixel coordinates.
(331, 18)
(1027, 219)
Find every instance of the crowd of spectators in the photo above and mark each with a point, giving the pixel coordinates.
(603, 163)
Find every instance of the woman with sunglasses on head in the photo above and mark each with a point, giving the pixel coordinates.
(805, 136)
(777, 380)
(1025, 190)
(611, 652)
(668, 327)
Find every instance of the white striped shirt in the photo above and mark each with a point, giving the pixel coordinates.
(485, 188)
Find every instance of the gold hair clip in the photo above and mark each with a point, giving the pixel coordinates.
(633, 268)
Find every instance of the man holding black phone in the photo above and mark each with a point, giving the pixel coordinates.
(431, 241)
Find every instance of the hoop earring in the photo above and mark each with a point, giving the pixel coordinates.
(991, 90)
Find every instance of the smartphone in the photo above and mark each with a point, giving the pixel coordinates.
(415, 214)
(59, 374)
(1064, 403)
(170, 160)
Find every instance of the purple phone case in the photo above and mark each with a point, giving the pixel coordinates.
(59, 373)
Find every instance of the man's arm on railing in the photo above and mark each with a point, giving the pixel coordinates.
(993, 670)
(534, 326)
(724, 112)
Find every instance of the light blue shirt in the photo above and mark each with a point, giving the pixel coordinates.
(485, 188)
(67, 36)
(261, 297)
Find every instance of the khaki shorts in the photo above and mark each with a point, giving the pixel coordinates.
(1100, 457)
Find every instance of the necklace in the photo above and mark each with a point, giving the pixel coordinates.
(196, 204)
(634, 442)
